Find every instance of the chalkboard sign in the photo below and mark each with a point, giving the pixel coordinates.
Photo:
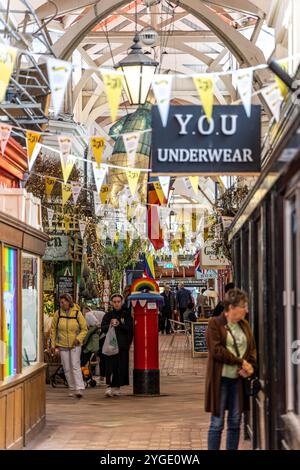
(199, 347)
(65, 285)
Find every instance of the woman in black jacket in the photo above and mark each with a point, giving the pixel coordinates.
(117, 366)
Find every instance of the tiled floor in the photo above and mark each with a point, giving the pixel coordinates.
(175, 420)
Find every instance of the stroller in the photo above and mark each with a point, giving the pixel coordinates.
(89, 349)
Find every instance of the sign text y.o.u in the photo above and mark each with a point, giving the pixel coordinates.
(228, 144)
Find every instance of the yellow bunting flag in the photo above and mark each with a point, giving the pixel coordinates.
(133, 178)
(194, 183)
(66, 169)
(49, 183)
(281, 85)
(205, 88)
(113, 82)
(67, 220)
(194, 220)
(32, 138)
(159, 191)
(7, 61)
(104, 191)
(66, 192)
(97, 146)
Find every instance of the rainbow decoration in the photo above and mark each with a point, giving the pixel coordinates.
(10, 311)
(144, 284)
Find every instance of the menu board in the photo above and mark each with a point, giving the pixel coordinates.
(65, 285)
(199, 347)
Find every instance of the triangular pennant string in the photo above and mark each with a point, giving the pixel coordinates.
(205, 88)
(113, 82)
(7, 61)
(97, 146)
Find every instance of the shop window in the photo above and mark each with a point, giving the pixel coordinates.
(30, 309)
(9, 323)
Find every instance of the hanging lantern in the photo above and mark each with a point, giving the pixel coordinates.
(138, 70)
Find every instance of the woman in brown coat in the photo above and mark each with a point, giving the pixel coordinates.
(231, 356)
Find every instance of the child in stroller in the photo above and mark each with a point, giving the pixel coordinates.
(89, 350)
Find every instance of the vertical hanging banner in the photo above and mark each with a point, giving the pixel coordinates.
(66, 192)
(97, 146)
(165, 184)
(82, 227)
(59, 72)
(49, 185)
(205, 88)
(162, 88)
(97, 203)
(104, 192)
(7, 61)
(50, 214)
(113, 82)
(273, 99)
(76, 188)
(65, 142)
(32, 139)
(194, 182)
(133, 179)
(67, 169)
(131, 141)
(159, 192)
(244, 80)
(5, 130)
(99, 175)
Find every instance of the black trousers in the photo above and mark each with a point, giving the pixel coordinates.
(102, 358)
(117, 369)
(182, 310)
(164, 324)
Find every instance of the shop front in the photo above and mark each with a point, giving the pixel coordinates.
(22, 370)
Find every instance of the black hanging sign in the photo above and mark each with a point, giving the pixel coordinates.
(199, 347)
(227, 145)
(65, 285)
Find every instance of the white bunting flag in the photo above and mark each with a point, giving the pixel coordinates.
(244, 79)
(165, 184)
(99, 175)
(50, 213)
(162, 88)
(97, 203)
(131, 141)
(67, 169)
(59, 72)
(76, 188)
(65, 142)
(82, 227)
(273, 99)
(5, 130)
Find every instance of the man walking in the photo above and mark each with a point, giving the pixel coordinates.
(183, 297)
(167, 310)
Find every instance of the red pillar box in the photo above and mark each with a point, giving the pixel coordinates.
(145, 300)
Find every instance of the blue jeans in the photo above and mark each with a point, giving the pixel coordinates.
(228, 396)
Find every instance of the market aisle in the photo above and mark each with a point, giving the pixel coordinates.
(175, 420)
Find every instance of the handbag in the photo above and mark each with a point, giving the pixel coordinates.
(110, 346)
(251, 384)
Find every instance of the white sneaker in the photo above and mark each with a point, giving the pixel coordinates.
(116, 391)
(71, 394)
(109, 392)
